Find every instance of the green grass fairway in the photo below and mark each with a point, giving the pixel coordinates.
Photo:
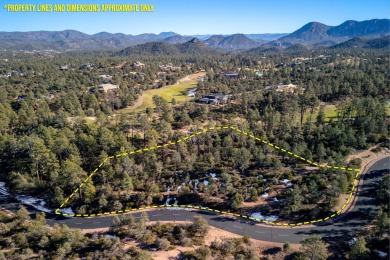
(177, 91)
(330, 112)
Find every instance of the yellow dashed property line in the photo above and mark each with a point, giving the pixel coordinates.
(206, 208)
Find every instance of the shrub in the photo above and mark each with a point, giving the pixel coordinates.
(162, 243)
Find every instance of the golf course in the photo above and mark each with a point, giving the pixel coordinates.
(177, 91)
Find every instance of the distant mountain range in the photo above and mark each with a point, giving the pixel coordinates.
(235, 42)
(357, 42)
(192, 47)
(71, 40)
(312, 35)
(318, 33)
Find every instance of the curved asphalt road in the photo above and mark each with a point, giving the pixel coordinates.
(341, 228)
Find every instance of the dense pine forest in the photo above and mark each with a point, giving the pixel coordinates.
(48, 147)
(57, 126)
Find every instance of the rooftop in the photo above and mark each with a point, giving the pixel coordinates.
(108, 86)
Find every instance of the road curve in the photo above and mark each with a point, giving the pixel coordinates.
(342, 228)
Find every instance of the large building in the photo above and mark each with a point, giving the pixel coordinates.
(107, 87)
(213, 99)
(290, 88)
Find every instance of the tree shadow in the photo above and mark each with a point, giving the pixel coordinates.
(272, 251)
(223, 219)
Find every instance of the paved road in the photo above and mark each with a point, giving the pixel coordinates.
(342, 228)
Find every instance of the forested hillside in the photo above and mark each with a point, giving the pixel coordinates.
(56, 127)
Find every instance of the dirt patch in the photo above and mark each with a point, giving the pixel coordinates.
(95, 230)
(215, 234)
(367, 155)
(187, 78)
(136, 104)
(218, 235)
(342, 199)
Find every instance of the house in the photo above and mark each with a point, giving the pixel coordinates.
(139, 64)
(259, 73)
(205, 101)
(213, 99)
(298, 63)
(231, 75)
(104, 76)
(14, 73)
(167, 67)
(87, 66)
(290, 88)
(140, 75)
(20, 98)
(161, 75)
(107, 87)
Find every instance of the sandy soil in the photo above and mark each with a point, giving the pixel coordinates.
(7, 212)
(367, 155)
(95, 230)
(195, 76)
(218, 235)
(187, 78)
(120, 65)
(137, 103)
(92, 118)
(214, 234)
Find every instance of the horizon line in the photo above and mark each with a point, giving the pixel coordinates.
(184, 34)
(128, 34)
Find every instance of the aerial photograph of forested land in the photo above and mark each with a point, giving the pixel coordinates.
(260, 138)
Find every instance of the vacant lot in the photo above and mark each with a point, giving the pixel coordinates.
(177, 91)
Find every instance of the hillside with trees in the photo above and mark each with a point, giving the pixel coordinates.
(48, 141)
(57, 125)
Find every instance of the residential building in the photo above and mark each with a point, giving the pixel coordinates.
(104, 76)
(213, 99)
(139, 64)
(231, 75)
(107, 87)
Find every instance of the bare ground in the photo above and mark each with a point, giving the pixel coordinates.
(214, 234)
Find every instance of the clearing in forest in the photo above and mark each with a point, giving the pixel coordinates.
(329, 110)
(177, 91)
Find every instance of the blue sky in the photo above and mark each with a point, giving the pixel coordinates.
(197, 16)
